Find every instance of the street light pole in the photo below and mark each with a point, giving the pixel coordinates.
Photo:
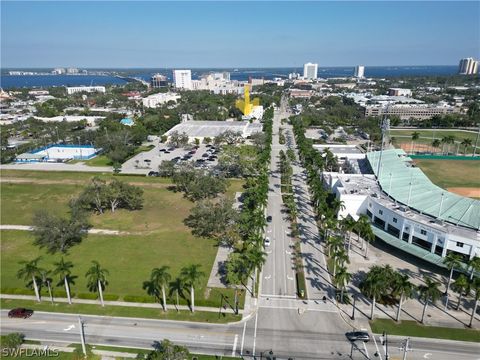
(353, 310)
(82, 336)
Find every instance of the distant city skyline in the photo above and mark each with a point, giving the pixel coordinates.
(237, 34)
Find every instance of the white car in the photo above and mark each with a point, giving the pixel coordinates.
(266, 242)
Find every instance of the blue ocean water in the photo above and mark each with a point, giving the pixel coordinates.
(12, 81)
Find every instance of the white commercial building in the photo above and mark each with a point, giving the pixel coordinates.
(91, 120)
(411, 111)
(182, 79)
(399, 92)
(359, 71)
(154, 100)
(89, 89)
(310, 71)
(407, 210)
(468, 66)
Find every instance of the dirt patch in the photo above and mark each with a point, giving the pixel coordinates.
(74, 182)
(466, 191)
(407, 147)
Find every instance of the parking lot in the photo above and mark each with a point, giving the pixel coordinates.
(202, 156)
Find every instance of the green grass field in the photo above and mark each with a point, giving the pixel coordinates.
(451, 173)
(412, 328)
(157, 235)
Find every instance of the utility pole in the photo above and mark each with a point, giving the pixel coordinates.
(82, 336)
(385, 127)
(353, 310)
(405, 348)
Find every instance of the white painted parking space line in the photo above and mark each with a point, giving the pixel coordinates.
(243, 337)
(234, 349)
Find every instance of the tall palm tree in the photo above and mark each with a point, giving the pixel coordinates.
(97, 279)
(475, 286)
(31, 271)
(367, 235)
(161, 277)
(444, 141)
(374, 285)
(340, 257)
(177, 286)
(348, 224)
(436, 143)
(415, 137)
(62, 269)
(460, 285)
(191, 275)
(334, 244)
(255, 258)
(452, 261)
(428, 292)
(474, 265)
(342, 278)
(47, 280)
(466, 143)
(403, 287)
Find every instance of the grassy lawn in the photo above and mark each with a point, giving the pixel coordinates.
(157, 235)
(99, 160)
(451, 173)
(412, 328)
(202, 316)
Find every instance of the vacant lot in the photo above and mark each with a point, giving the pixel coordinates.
(451, 173)
(157, 235)
(427, 136)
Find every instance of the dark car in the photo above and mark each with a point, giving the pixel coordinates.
(200, 160)
(269, 218)
(163, 150)
(205, 155)
(20, 313)
(358, 335)
(211, 159)
(153, 173)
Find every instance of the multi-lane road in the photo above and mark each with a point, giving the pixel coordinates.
(281, 324)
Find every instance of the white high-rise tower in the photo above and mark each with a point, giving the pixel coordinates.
(182, 79)
(310, 71)
(468, 66)
(359, 71)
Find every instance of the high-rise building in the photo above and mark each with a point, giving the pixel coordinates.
(158, 81)
(182, 79)
(468, 66)
(359, 71)
(72, 71)
(310, 71)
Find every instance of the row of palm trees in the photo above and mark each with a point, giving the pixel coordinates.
(34, 274)
(386, 284)
(444, 142)
(160, 280)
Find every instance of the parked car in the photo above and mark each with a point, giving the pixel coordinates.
(163, 150)
(205, 155)
(358, 335)
(267, 242)
(269, 218)
(153, 173)
(20, 313)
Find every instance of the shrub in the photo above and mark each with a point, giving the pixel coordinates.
(139, 299)
(12, 340)
(88, 296)
(300, 284)
(110, 297)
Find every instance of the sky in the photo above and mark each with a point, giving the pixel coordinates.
(237, 34)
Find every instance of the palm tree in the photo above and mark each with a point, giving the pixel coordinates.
(342, 278)
(191, 275)
(30, 270)
(47, 280)
(415, 137)
(444, 141)
(466, 142)
(374, 285)
(475, 286)
(436, 143)
(177, 286)
(97, 279)
(403, 287)
(367, 235)
(348, 224)
(62, 269)
(452, 261)
(474, 265)
(428, 292)
(255, 258)
(334, 244)
(340, 257)
(160, 277)
(460, 285)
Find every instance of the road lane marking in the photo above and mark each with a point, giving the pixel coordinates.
(376, 346)
(235, 345)
(243, 338)
(366, 351)
(255, 334)
(427, 356)
(69, 328)
(289, 278)
(268, 277)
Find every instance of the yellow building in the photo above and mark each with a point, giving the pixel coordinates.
(245, 106)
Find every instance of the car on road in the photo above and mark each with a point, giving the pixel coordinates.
(20, 313)
(358, 335)
(269, 218)
(267, 242)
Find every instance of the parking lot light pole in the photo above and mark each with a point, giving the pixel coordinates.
(82, 336)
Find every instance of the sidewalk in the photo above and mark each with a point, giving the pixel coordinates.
(105, 354)
(90, 231)
(119, 303)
